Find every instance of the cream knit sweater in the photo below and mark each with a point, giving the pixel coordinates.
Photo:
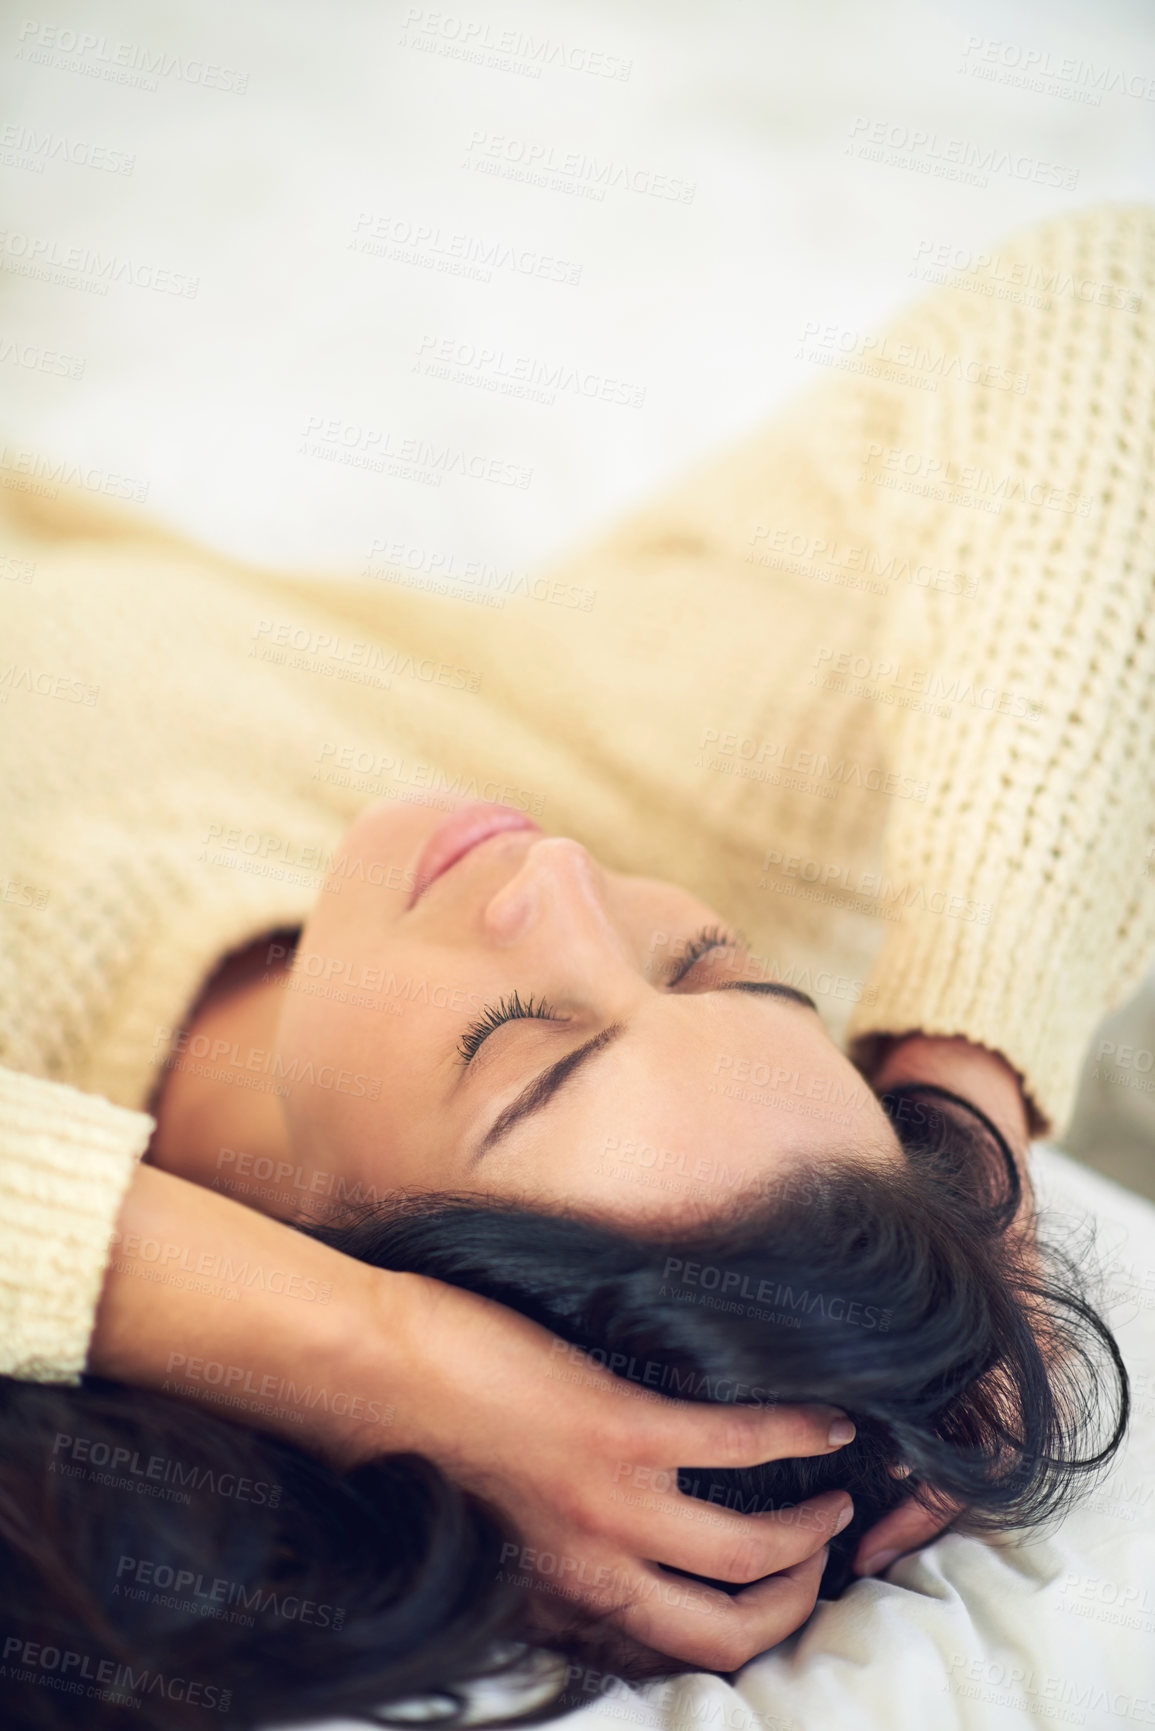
(877, 685)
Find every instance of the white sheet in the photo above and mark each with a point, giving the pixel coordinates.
(369, 109)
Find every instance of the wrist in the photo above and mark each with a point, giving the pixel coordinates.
(973, 1072)
(216, 1304)
(379, 1357)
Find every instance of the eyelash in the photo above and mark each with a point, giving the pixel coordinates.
(511, 1009)
(709, 938)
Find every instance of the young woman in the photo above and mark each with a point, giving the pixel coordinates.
(511, 951)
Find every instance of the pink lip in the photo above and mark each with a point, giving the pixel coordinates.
(459, 835)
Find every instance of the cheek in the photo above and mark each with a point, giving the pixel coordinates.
(383, 844)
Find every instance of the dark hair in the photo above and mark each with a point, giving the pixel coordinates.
(910, 1297)
(914, 1299)
(162, 1566)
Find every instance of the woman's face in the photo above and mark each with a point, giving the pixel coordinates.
(513, 1019)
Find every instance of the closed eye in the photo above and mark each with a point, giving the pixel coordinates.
(494, 1016)
(709, 938)
(715, 938)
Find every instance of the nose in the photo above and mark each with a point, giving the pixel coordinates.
(558, 885)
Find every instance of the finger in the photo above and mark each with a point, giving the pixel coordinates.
(740, 1436)
(716, 1631)
(905, 1528)
(704, 1539)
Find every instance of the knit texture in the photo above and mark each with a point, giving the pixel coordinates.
(66, 1159)
(877, 685)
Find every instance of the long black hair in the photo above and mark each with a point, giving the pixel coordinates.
(977, 1371)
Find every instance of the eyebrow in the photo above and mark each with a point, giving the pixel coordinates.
(537, 1095)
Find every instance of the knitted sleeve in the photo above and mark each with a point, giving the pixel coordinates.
(1030, 469)
(66, 1161)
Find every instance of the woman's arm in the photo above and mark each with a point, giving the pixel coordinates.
(1028, 903)
(66, 1160)
(212, 1302)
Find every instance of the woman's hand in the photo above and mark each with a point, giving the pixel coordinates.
(214, 1303)
(987, 1080)
(586, 1466)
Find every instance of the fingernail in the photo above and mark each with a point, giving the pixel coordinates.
(881, 1560)
(844, 1518)
(841, 1431)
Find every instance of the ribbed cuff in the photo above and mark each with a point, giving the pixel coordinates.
(996, 985)
(66, 1161)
